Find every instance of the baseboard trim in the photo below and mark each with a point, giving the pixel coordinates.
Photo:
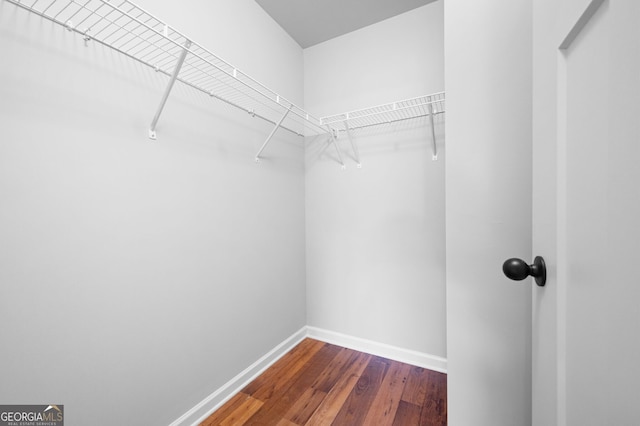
(203, 409)
(420, 359)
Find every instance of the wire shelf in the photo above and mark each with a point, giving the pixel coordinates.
(422, 106)
(132, 31)
(125, 27)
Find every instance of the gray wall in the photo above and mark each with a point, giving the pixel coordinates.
(137, 277)
(488, 186)
(376, 235)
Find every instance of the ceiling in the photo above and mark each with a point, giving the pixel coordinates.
(311, 22)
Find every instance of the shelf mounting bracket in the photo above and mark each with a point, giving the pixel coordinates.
(335, 144)
(353, 145)
(273, 132)
(165, 96)
(433, 132)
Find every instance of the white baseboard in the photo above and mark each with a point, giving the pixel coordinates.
(203, 409)
(420, 359)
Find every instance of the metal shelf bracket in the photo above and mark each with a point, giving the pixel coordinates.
(167, 91)
(273, 132)
(356, 154)
(334, 140)
(433, 132)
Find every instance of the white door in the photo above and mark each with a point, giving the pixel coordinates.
(586, 350)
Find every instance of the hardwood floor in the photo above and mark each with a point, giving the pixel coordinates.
(317, 383)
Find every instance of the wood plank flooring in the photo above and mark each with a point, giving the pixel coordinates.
(317, 383)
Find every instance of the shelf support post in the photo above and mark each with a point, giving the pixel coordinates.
(335, 144)
(165, 96)
(353, 145)
(273, 132)
(433, 131)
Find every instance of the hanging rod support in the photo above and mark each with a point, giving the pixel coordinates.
(165, 96)
(335, 144)
(273, 132)
(433, 132)
(353, 145)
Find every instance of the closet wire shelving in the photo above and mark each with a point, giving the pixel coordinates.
(421, 106)
(127, 28)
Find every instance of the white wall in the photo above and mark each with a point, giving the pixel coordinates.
(375, 236)
(488, 186)
(137, 277)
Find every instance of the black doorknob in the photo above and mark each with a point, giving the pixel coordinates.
(517, 269)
